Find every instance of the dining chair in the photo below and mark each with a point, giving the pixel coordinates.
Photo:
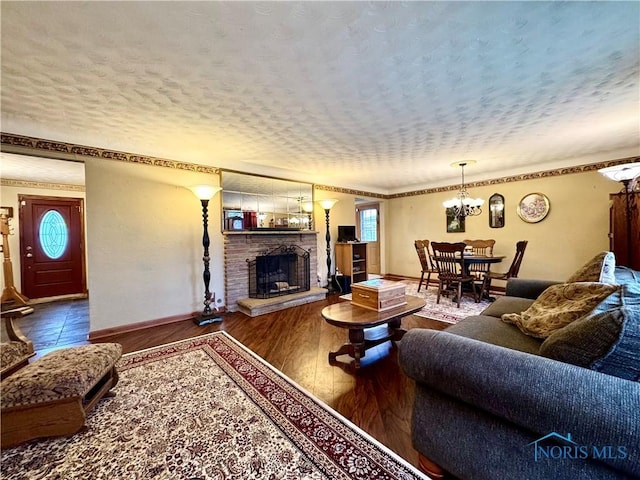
(449, 260)
(513, 269)
(481, 247)
(480, 270)
(426, 263)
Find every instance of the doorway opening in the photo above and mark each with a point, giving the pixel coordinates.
(52, 247)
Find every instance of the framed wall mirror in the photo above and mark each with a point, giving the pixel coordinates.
(496, 211)
(253, 202)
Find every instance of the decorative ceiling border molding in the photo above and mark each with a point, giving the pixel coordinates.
(358, 193)
(9, 182)
(69, 151)
(483, 183)
(518, 178)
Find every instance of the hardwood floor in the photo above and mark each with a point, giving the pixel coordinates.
(297, 341)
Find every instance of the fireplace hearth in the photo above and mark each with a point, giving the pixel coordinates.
(283, 270)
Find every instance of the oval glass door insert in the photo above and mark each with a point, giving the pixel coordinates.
(54, 234)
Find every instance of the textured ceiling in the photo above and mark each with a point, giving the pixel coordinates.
(41, 170)
(375, 96)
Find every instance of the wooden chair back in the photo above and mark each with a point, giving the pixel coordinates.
(517, 259)
(426, 262)
(448, 258)
(513, 269)
(481, 247)
(422, 248)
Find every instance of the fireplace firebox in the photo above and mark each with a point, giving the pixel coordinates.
(281, 271)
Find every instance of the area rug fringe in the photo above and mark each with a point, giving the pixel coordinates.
(204, 408)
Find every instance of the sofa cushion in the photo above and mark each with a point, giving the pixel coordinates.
(527, 287)
(558, 306)
(605, 341)
(507, 304)
(626, 275)
(600, 268)
(594, 340)
(627, 295)
(492, 330)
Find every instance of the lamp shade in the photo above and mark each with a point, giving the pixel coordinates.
(621, 173)
(205, 192)
(327, 203)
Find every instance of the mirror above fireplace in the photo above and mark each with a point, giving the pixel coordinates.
(253, 202)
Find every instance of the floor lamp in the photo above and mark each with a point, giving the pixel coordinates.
(327, 204)
(624, 173)
(208, 315)
(307, 207)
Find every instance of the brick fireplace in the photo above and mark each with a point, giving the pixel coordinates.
(241, 247)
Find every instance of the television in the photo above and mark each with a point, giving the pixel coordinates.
(347, 233)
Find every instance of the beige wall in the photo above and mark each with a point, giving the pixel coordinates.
(9, 198)
(342, 213)
(575, 229)
(144, 236)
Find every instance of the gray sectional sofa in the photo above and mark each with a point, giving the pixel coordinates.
(493, 402)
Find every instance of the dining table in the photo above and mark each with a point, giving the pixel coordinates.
(469, 259)
(480, 259)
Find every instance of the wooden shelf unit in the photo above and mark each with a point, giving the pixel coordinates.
(351, 260)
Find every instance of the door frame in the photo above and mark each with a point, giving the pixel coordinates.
(371, 206)
(82, 245)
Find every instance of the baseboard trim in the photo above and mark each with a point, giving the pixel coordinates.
(58, 298)
(133, 327)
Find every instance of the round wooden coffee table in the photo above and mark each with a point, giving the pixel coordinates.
(367, 328)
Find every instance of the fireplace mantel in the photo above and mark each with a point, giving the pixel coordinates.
(271, 232)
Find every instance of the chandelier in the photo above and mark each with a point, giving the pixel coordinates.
(463, 205)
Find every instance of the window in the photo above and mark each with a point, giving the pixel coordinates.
(54, 234)
(369, 225)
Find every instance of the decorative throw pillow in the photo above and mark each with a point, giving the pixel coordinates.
(606, 341)
(558, 306)
(600, 268)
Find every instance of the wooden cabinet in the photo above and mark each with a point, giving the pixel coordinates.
(624, 229)
(351, 260)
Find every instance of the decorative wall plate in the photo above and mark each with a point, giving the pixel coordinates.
(533, 207)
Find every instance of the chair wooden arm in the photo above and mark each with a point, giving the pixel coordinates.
(17, 351)
(13, 331)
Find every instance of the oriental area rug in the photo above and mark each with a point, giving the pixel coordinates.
(445, 311)
(207, 408)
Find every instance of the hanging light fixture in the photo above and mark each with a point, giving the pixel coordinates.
(463, 205)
